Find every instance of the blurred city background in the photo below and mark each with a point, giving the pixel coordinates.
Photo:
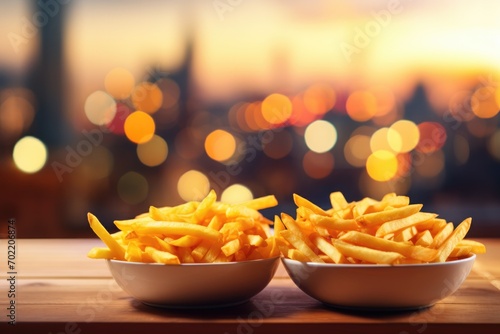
(113, 106)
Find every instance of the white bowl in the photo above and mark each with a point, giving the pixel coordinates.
(193, 285)
(380, 287)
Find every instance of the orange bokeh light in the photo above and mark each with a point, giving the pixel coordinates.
(139, 127)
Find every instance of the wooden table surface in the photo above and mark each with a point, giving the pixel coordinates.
(59, 290)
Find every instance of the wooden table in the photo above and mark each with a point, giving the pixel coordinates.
(59, 290)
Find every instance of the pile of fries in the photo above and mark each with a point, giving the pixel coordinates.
(203, 231)
(389, 231)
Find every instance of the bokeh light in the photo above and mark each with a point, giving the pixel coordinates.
(236, 193)
(318, 165)
(319, 99)
(382, 165)
(276, 109)
(432, 137)
(193, 185)
(320, 136)
(139, 127)
(484, 103)
(494, 145)
(253, 116)
(100, 108)
(133, 188)
(380, 140)
(119, 83)
(403, 136)
(280, 146)
(301, 116)
(357, 150)
(153, 152)
(220, 145)
(147, 97)
(361, 106)
(30, 154)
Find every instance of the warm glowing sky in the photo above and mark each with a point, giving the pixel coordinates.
(264, 45)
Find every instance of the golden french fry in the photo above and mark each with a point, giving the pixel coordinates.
(456, 236)
(442, 235)
(331, 223)
(261, 203)
(328, 249)
(381, 217)
(133, 253)
(100, 253)
(117, 250)
(416, 252)
(476, 246)
(301, 201)
(366, 254)
(161, 256)
(338, 200)
(405, 234)
(177, 228)
(297, 255)
(185, 241)
(402, 223)
(300, 244)
(424, 238)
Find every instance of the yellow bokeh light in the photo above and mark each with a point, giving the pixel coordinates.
(30, 154)
(403, 136)
(319, 98)
(318, 165)
(382, 165)
(220, 145)
(133, 188)
(380, 140)
(147, 97)
(276, 108)
(193, 186)
(357, 150)
(119, 82)
(139, 127)
(320, 136)
(100, 108)
(361, 106)
(484, 103)
(154, 152)
(236, 193)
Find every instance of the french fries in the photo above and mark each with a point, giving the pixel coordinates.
(194, 232)
(389, 231)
